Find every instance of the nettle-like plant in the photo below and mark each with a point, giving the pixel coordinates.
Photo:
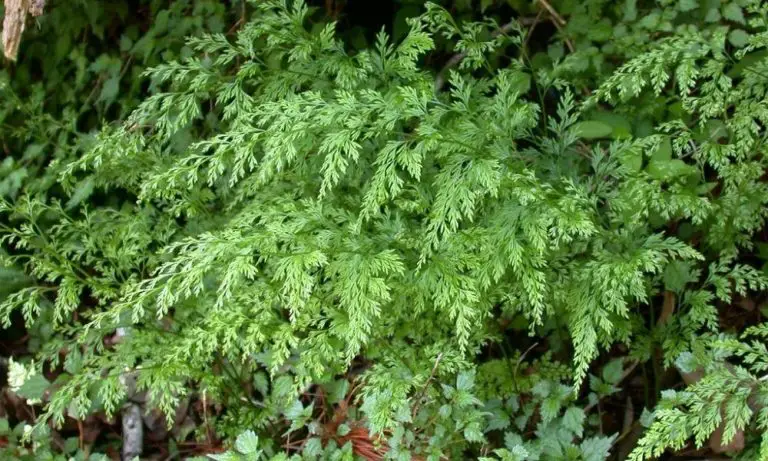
(305, 221)
(717, 154)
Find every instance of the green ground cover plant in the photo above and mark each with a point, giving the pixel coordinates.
(493, 230)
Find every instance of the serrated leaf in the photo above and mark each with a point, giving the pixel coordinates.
(260, 382)
(573, 420)
(473, 433)
(247, 443)
(228, 456)
(630, 10)
(733, 12)
(465, 381)
(71, 445)
(313, 447)
(542, 389)
(596, 448)
(550, 407)
(336, 390)
(677, 274)
(82, 191)
(646, 418)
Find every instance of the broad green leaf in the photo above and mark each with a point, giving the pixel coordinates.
(110, 89)
(82, 191)
(313, 447)
(247, 443)
(738, 38)
(713, 15)
(550, 408)
(733, 12)
(630, 10)
(688, 5)
(34, 388)
(632, 159)
(593, 129)
(667, 170)
(678, 274)
(465, 381)
(337, 390)
(573, 420)
(596, 448)
(613, 370)
(620, 125)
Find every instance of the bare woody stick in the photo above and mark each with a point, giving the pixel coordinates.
(15, 21)
(133, 428)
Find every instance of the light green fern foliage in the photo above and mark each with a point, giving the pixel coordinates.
(299, 205)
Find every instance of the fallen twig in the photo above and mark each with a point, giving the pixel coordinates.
(426, 385)
(133, 427)
(15, 21)
(558, 21)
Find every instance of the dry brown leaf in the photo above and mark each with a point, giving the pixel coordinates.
(36, 7)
